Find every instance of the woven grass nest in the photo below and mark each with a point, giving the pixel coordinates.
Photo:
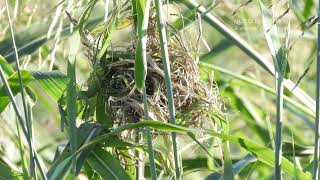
(194, 100)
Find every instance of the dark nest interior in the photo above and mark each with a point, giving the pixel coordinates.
(195, 100)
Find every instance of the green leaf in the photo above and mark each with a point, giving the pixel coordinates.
(13, 81)
(237, 167)
(6, 173)
(308, 8)
(85, 133)
(112, 26)
(85, 15)
(54, 83)
(103, 112)
(279, 52)
(6, 67)
(106, 165)
(140, 66)
(247, 113)
(72, 95)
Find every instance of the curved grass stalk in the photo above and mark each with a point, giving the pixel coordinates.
(317, 119)
(167, 77)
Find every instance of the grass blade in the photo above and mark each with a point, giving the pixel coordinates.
(142, 8)
(169, 88)
(279, 55)
(72, 96)
(140, 66)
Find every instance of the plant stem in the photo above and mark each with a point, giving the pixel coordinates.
(149, 137)
(316, 133)
(167, 77)
(138, 155)
(278, 140)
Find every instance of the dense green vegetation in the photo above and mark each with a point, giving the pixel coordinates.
(146, 89)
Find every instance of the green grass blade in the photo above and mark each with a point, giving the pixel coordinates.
(169, 88)
(22, 155)
(279, 55)
(142, 8)
(72, 96)
(7, 69)
(140, 66)
(237, 167)
(13, 82)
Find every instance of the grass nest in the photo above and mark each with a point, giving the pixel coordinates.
(195, 102)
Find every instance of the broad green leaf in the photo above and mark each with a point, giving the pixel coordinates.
(227, 163)
(106, 165)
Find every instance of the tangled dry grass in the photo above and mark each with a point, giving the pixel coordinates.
(195, 100)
